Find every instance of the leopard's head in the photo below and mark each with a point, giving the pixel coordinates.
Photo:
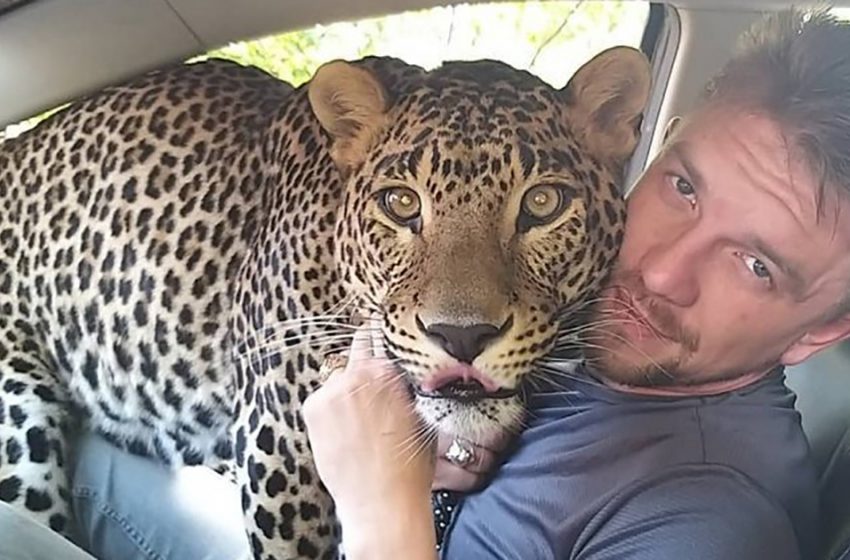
(482, 207)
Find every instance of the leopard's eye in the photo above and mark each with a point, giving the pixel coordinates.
(541, 202)
(401, 204)
(541, 205)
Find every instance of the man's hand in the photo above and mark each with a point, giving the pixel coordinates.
(487, 455)
(366, 441)
(365, 435)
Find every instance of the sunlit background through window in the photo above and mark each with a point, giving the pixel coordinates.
(549, 38)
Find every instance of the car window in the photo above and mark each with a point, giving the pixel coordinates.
(549, 38)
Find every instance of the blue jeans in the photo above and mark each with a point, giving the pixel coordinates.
(129, 508)
(21, 538)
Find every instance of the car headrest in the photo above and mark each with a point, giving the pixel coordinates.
(822, 385)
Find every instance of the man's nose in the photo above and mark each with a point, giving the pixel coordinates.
(670, 270)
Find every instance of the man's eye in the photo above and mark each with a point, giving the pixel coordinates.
(758, 268)
(684, 187)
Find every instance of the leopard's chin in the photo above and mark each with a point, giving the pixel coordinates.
(475, 421)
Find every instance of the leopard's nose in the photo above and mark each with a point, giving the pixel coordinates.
(465, 343)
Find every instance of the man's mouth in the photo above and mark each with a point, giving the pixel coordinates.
(637, 318)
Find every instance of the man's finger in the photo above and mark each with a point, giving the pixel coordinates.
(496, 441)
(484, 460)
(448, 476)
(361, 345)
(378, 349)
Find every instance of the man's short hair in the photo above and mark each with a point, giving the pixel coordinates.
(795, 66)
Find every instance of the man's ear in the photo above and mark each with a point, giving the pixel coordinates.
(670, 129)
(817, 339)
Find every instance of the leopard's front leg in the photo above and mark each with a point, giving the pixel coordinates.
(288, 513)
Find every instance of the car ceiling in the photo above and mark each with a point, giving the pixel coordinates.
(52, 51)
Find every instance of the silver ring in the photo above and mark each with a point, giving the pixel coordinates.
(460, 453)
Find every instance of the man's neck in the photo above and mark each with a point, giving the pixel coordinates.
(701, 390)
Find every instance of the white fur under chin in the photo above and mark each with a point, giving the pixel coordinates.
(472, 421)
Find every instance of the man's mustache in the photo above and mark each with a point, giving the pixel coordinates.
(659, 315)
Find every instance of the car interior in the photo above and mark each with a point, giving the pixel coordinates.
(53, 51)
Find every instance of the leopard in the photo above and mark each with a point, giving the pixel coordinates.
(181, 252)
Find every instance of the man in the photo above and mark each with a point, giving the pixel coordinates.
(678, 439)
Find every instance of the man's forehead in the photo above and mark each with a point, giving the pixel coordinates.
(725, 148)
(755, 125)
(749, 146)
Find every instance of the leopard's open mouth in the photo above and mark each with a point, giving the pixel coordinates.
(465, 387)
(465, 392)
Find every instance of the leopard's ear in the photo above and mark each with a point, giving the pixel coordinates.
(606, 99)
(351, 105)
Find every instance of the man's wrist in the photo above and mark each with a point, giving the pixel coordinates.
(397, 526)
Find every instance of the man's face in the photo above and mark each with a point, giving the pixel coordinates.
(727, 267)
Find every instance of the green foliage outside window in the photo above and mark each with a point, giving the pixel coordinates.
(549, 38)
